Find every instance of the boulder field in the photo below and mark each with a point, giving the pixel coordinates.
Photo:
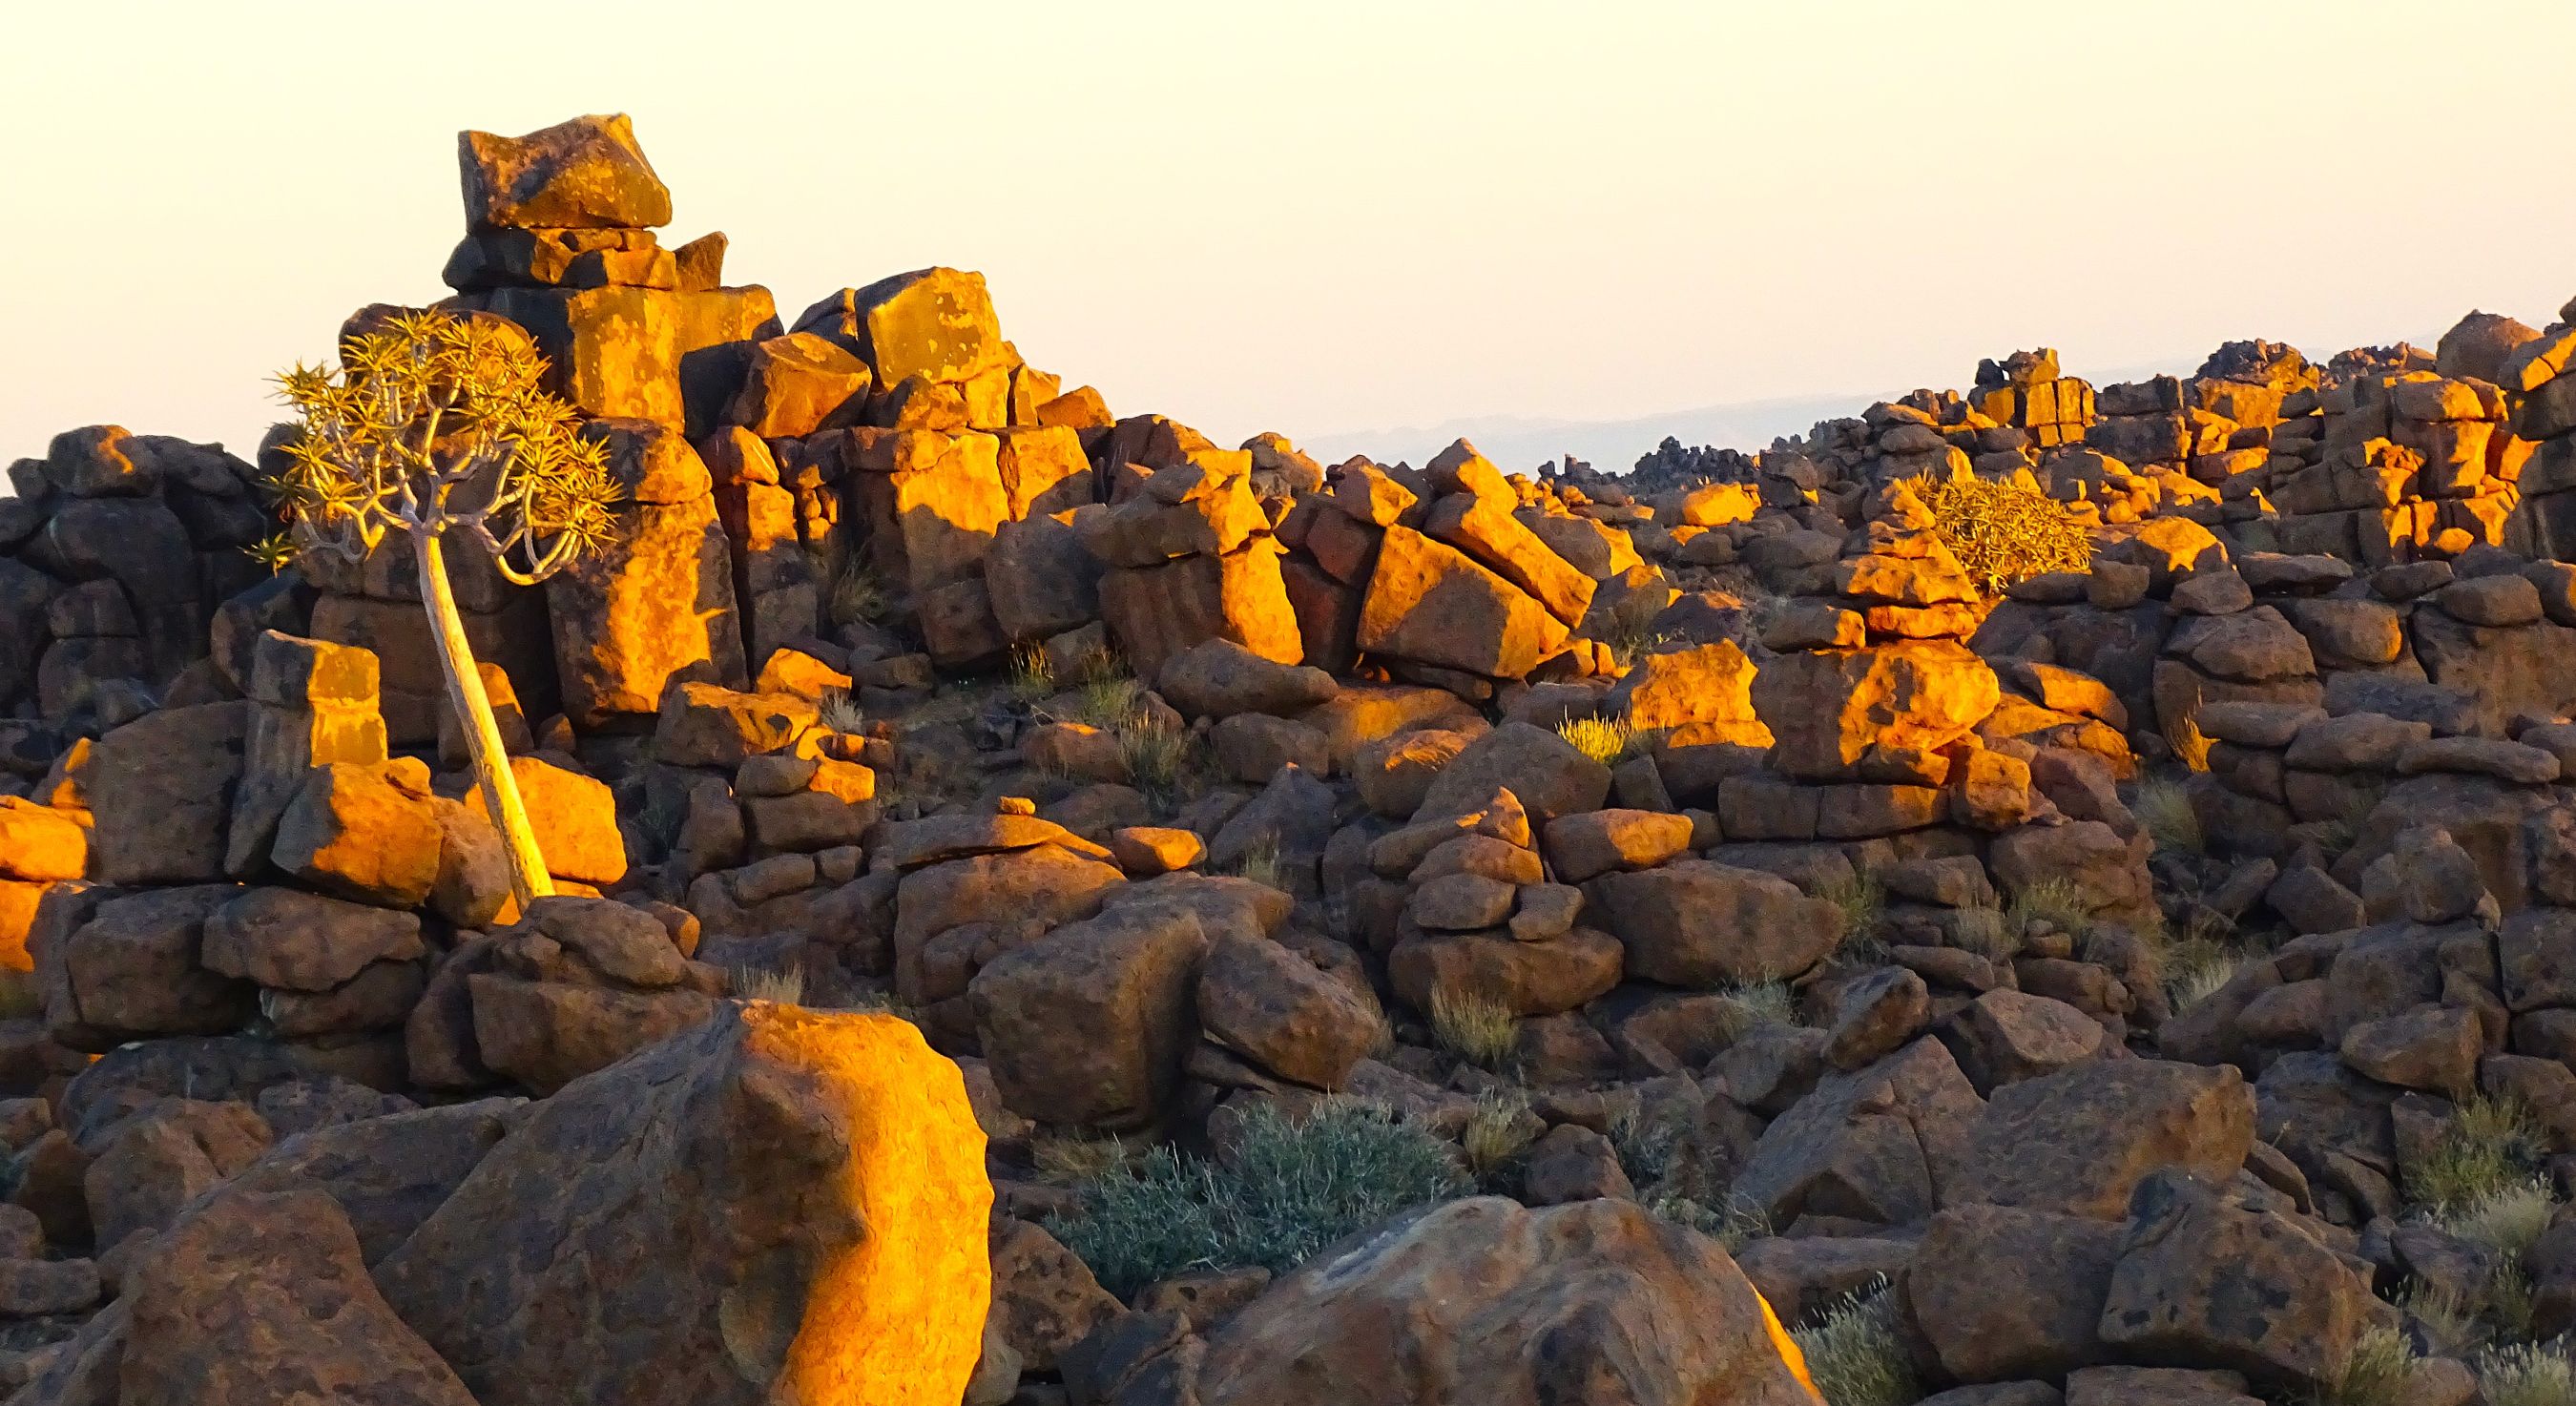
(2038, 895)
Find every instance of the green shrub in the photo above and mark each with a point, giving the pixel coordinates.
(1291, 1187)
(2002, 532)
(1159, 756)
(1608, 741)
(1854, 1355)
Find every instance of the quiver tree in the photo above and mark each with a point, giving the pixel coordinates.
(435, 425)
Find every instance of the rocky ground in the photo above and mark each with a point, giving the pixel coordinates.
(2068, 892)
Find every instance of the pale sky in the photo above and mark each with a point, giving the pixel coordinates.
(1321, 218)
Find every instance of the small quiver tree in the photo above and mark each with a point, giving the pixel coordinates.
(434, 424)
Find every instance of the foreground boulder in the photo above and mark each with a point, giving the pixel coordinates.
(780, 1206)
(1586, 1304)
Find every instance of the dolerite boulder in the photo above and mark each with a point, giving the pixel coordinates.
(781, 1206)
(587, 173)
(251, 1298)
(1586, 1304)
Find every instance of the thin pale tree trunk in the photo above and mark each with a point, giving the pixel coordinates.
(473, 707)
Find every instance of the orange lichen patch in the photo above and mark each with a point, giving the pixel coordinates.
(1790, 1355)
(898, 1318)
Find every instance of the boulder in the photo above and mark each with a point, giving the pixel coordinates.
(387, 1173)
(1271, 1005)
(587, 173)
(1541, 978)
(1543, 770)
(935, 323)
(803, 1218)
(160, 791)
(2000, 1293)
(1832, 711)
(2078, 1141)
(1087, 1026)
(1699, 924)
(264, 1298)
(1586, 1304)
(132, 970)
(1430, 603)
(2207, 1282)
(366, 833)
(1219, 678)
(300, 941)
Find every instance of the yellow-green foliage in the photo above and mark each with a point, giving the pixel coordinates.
(2165, 809)
(2059, 902)
(2001, 532)
(2380, 1372)
(2490, 1153)
(1854, 1353)
(1608, 741)
(2529, 1375)
(1862, 902)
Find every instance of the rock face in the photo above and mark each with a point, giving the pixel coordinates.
(1480, 1300)
(803, 1219)
(584, 174)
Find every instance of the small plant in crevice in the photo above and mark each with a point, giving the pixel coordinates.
(841, 712)
(1478, 1029)
(1855, 1355)
(787, 987)
(1989, 932)
(2057, 901)
(2380, 1372)
(1032, 674)
(1608, 741)
(1860, 900)
(2527, 1374)
(1495, 1136)
(1260, 863)
(2195, 968)
(1745, 1009)
(1161, 759)
(2165, 810)
(1063, 1160)
(858, 595)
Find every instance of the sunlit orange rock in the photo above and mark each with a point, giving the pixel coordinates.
(783, 1205)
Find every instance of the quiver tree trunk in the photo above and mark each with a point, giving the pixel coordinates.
(491, 762)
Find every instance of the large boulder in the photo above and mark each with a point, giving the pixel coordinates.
(1586, 1304)
(1432, 604)
(2080, 1140)
(132, 970)
(264, 1298)
(1884, 1145)
(2204, 1281)
(935, 323)
(1088, 1024)
(800, 1210)
(160, 789)
(1697, 923)
(1543, 770)
(587, 173)
(1834, 712)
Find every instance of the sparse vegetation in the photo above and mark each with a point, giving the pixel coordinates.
(1746, 1009)
(2529, 1374)
(1032, 674)
(1107, 700)
(2507, 1220)
(1260, 863)
(1854, 1354)
(1290, 1187)
(1862, 901)
(1988, 932)
(1477, 1029)
(2492, 1148)
(2165, 809)
(2380, 1372)
(787, 987)
(1608, 741)
(1072, 1161)
(1733, 1222)
(1632, 640)
(841, 713)
(2197, 967)
(2003, 532)
(1159, 756)
(2190, 744)
(2447, 1322)
(1495, 1134)
(858, 596)
(2059, 902)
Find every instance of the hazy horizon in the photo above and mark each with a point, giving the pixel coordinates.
(1340, 223)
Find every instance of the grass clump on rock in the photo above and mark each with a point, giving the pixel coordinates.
(1289, 1187)
(2003, 533)
(2490, 1151)
(2532, 1374)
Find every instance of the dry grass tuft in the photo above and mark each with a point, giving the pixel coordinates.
(1477, 1029)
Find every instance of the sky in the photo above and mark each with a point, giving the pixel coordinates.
(1326, 219)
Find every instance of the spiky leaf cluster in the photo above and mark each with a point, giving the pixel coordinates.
(2004, 532)
(437, 422)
